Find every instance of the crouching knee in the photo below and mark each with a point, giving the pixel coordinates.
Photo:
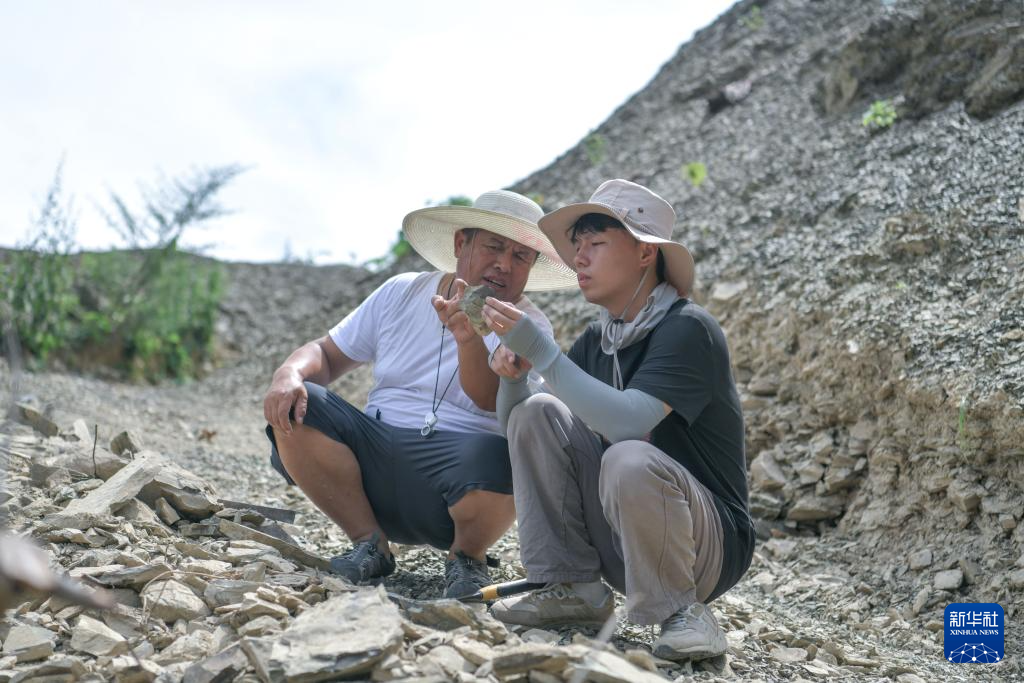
(534, 417)
(531, 410)
(625, 467)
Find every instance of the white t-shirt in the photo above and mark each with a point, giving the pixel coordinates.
(397, 329)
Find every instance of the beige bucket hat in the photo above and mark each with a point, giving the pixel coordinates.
(431, 232)
(646, 216)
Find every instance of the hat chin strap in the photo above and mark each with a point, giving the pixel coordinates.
(640, 285)
(616, 328)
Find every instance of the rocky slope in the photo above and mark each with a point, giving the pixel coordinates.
(871, 286)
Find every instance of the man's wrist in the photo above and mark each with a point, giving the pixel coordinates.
(288, 371)
(474, 340)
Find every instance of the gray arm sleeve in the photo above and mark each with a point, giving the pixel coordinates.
(511, 392)
(618, 415)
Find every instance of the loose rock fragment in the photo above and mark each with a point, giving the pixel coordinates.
(252, 607)
(611, 668)
(260, 626)
(921, 559)
(125, 443)
(221, 667)
(965, 495)
(96, 638)
(949, 580)
(54, 670)
(190, 495)
(172, 600)
(238, 531)
(103, 501)
(167, 513)
(725, 292)
(789, 655)
(187, 648)
(765, 473)
(448, 615)
(536, 657)
(345, 636)
(37, 419)
(29, 643)
(812, 508)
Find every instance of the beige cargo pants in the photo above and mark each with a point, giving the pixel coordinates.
(628, 513)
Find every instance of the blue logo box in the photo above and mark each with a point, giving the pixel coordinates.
(975, 633)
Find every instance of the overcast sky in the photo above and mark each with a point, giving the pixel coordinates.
(348, 114)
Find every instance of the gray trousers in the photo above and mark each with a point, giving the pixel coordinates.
(630, 514)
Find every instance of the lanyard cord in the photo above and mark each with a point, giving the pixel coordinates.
(435, 402)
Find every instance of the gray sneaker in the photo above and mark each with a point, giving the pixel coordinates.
(691, 633)
(555, 604)
(464, 575)
(364, 562)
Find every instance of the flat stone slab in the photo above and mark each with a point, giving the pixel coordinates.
(96, 638)
(172, 600)
(344, 637)
(101, 502)
(29, 643)
(293, 552)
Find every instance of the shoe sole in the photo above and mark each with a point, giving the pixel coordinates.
(372, 581)
(671, 654)
(556, 624)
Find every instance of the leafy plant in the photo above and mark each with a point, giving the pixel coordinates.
(880, 115)
(149, 311)
(38, 280)
(168, 299)
(595, 146)
(695, 171)
(754, 19)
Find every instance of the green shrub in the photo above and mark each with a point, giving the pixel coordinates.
(38, 283)
(880, 115)
(695, 171)
(595, 146)
(754, 19)
(148, 312)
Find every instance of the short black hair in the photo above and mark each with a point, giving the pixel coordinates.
(590, 223)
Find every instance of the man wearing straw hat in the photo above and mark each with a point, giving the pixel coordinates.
(634, 469)
(422, 463)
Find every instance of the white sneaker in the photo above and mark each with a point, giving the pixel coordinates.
(691, 633)
(555, 604)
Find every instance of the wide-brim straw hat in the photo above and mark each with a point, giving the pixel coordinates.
(431, 231)
(646, 216)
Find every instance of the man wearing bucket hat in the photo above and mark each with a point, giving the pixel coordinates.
(634, 469)
(422, 463)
